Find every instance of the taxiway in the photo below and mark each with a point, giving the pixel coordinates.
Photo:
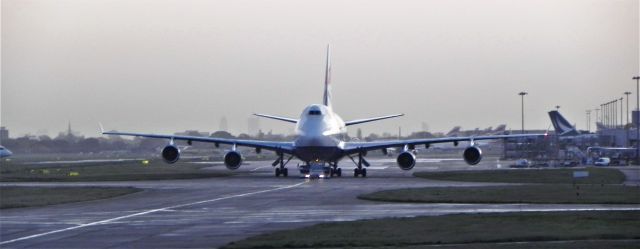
(213, 212)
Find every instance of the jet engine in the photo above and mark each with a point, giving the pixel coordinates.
(232, 160)
(170, 154)
(406, 160)
(472, 155)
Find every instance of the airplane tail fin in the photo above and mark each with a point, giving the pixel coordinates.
(561, 125)
(326, 100)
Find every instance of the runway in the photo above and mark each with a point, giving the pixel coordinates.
(213, 212)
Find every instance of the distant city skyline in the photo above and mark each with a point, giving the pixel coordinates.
(170, 66)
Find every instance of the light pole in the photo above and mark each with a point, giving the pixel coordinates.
(522, 94)
(608, 105)
(612, 115)
(606, 114)
(637, 78)
(602, 114)
(615, 112)
(589, 120)
(621, 113)
(597, 117)
(627, 93)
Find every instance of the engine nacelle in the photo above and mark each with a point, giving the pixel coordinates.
(406, 160)
(232, 160)
(472, 155)
(170, 154)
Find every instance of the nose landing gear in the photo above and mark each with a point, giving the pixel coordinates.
(335, 171)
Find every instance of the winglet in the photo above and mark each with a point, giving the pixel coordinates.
(101, 128)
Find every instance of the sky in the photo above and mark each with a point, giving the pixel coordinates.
(165, 66)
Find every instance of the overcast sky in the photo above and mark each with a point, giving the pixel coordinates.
(165, 66)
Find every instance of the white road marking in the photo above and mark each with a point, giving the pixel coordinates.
(259, 168)
(146, 212)
(377, 167)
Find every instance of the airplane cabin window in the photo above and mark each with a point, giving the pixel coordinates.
(314, 112)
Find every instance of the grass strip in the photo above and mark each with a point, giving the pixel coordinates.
(18, 197)
(467, 229)
(596, 176)
(547, 194)
(105, 171)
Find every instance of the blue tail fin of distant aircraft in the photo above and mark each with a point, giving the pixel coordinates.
(326, 100)
(561, 125)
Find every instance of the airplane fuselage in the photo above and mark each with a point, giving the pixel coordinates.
(320, 135)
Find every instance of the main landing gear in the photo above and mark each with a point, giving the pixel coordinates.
(360, 171)
(335, 171)
(282, 171)
(280, 163)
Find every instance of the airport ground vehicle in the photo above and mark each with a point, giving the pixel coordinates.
(521, 163)
(570, 163)
(317, 170)
(603, 161)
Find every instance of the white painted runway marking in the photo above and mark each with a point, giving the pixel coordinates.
(146, 212)
(259, 168)
(377, 167)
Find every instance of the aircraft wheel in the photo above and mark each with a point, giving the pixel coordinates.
(364, 172)
(339, 172)
(277, 172)
(356, 172)
(285, 172)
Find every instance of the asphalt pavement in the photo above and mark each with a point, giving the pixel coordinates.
(208, 213)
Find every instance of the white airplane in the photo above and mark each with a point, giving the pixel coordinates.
(566, 131)
(4, 152)
(321, 139)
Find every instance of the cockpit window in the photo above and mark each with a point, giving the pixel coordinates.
(315, 112)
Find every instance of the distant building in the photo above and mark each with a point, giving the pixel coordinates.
(194, 133)
(224, 126)
(4, 133)
(253, 126)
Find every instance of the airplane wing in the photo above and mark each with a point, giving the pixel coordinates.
(356, 147)
(365, 120)
(285, 147)
(290, 120)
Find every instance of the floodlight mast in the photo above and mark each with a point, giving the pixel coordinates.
(522, 94)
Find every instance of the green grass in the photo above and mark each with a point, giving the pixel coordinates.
(583, 244)
(596, 176)
(548, 193)
(104, 171)
(580, 244)
(17, 197)
(468, 229)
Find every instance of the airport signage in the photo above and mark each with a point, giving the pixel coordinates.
(580, 174)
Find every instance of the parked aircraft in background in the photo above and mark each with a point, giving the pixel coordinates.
(4, 152)
(321, 138)
(564, 129)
